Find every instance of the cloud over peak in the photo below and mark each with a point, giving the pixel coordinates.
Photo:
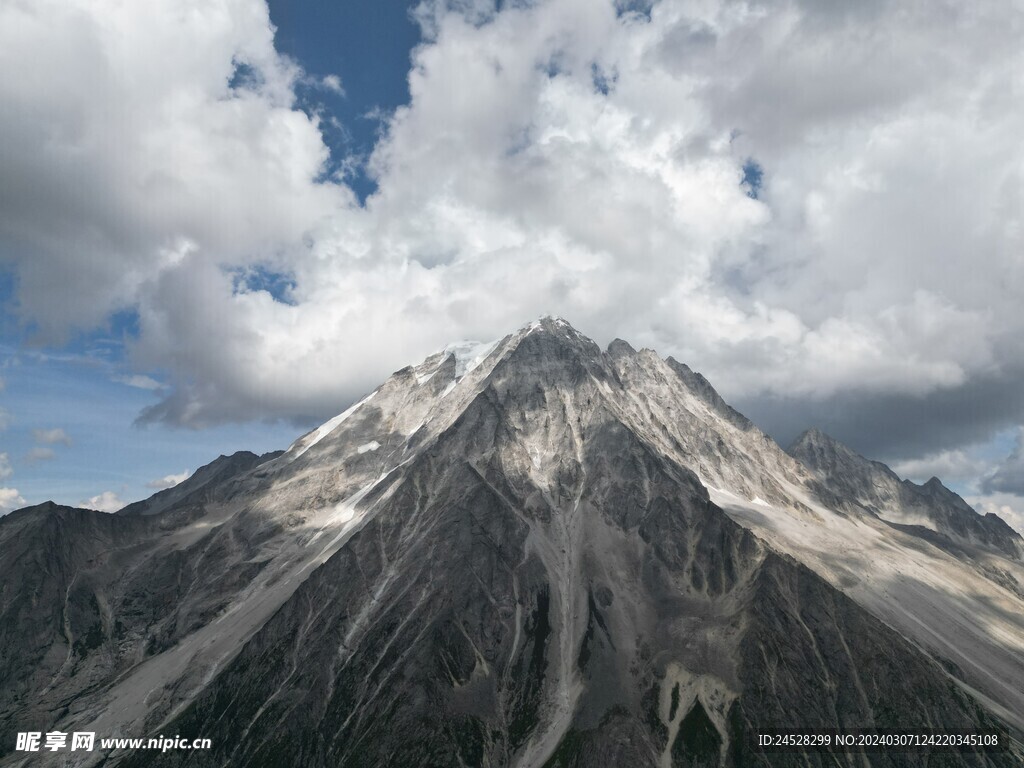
(108, 501)
(168, 481)
(10, 500)
(564, 156)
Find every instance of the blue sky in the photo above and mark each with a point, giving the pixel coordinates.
(85, 390)
(367, 45)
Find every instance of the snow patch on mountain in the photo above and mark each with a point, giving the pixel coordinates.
(469, 354)
(423, 378)
(310, 439)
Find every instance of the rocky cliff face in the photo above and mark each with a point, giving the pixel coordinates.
(532, 553)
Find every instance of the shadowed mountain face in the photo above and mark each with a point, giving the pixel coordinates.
(203, 487)
(505, 556)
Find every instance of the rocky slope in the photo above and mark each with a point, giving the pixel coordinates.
(931, 506)
(531, 553)
(202, 487)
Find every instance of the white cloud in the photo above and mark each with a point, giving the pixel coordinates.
(40, 454)
(555, 157)
(5, 466)
(1008, 506)
(108, 501)
(333, 83)
(127, 149)
(954, 467)
(51, 436)
(1008, 476)
(140, 382)
(168, 481)
(10, 500)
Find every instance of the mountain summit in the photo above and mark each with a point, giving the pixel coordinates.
(528, 553)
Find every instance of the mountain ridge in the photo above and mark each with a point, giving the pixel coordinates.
(879, 489)
(549, 535)
(205, 479)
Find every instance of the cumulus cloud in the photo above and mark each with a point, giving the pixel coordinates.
(950, 466)
(10, 500)
(168, 481)
(136, 135)
(565, 156)
(332, 83)
(1008, 506)
(108, 501)
(5, 466)
(51, 436)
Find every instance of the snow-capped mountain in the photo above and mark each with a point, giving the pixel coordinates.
(528, 553)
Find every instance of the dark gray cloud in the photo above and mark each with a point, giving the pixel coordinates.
(890, 427)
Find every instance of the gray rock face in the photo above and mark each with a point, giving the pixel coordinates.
(506, 556)
(54, 615)
(204, 486)
(931, 507)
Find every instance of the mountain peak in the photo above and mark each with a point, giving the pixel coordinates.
(821, 452)
(620, 348)
(554, 326)
(545, 324)
(469, 353)
(550, 319)
(814, 436)
(516, 553)
(201, 483)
